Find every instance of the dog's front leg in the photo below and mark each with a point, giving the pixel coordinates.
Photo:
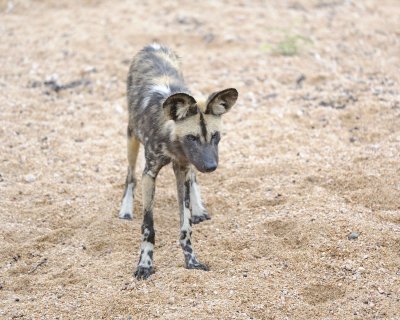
(183, 181)
(145, 265)
(199, 213)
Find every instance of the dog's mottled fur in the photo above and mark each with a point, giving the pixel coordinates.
(173, 127)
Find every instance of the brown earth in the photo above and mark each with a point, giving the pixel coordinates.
(309, 154)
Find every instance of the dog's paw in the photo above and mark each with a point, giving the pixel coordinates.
(197, 265)
(142, 273)
(200, 218)
(125, 215)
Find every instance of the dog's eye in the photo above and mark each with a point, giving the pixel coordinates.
(191, 137)
(216, 137)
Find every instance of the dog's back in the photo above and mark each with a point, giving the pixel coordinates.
(154, 75)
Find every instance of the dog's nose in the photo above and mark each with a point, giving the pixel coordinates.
(210, 167)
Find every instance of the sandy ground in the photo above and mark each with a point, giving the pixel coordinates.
(309, 154)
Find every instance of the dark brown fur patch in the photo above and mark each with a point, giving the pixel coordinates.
(203, 127)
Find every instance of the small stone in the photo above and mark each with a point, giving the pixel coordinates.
(229, 38)
(353, 235)
(30, 178)
(347, 267)
(89, 69)
(208, 38)
(118, 108)
(300, 79)
(52, 77)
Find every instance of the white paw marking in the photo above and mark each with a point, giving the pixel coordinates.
(145, 260)
(127, 203)
(186, 217)
(195, 199)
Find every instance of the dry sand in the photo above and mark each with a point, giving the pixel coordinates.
(309, 154)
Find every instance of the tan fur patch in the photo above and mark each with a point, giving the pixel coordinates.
(201, 104)
(133, 149)
(163, 80)
(191, 125)
(213, 124)
(147, 190)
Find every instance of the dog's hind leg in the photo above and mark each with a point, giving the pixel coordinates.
(126, 211)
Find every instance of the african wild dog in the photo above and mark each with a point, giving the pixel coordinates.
(173, 127)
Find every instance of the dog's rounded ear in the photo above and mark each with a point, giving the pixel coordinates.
(222, 101)
(178, 106)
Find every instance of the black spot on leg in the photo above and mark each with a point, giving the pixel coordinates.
(183, 235)
(129, 132)
(148, 218)
(151, 236)
(150, 253)
(187, 194)
(148, 224)
(188, 249)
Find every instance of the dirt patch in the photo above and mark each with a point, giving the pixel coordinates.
(374, 192)
(316, 294)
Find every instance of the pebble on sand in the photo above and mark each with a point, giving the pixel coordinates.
(30, 178)
(353, 235)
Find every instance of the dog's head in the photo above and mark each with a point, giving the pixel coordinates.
(197, 127)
